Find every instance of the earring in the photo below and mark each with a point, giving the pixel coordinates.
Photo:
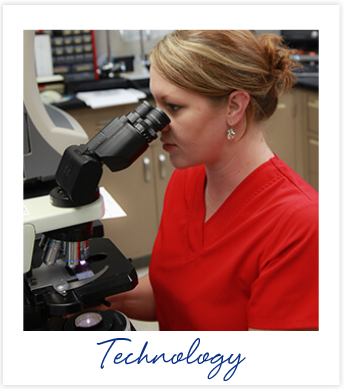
(230, 133)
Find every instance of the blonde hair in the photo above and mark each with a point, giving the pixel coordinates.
(214, 63)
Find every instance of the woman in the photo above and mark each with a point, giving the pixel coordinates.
(237, 248)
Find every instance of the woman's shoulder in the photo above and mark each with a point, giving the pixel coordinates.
(295, 183)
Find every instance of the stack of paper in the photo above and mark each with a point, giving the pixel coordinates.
(112, 208)
(108, 98)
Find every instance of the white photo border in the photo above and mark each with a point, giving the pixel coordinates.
(271, 358)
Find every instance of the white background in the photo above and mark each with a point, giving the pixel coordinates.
(272, 358)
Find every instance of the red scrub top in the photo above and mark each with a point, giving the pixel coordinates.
(254, 263)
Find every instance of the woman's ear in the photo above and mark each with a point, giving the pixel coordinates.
(237, 104)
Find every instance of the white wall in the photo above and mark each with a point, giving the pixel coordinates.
(127, 43)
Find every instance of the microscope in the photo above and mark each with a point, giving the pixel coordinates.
(69, 267)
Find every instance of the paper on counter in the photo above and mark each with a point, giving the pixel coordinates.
(138, 93)
(135, 76)
(111, 97)
(112, 208)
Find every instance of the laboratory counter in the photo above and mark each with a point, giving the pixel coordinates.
(73, 88)
(309, 83)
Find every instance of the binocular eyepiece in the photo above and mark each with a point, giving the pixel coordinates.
(151, 118)
(117, 145)
(122, 135)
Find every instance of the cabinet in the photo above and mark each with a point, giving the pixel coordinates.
(312, 140)
(293, 133)
(138, 189)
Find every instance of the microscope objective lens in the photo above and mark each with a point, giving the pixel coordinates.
(51, 252)
(43, 242)
(72, 254)
(84, 250)
(76, 252)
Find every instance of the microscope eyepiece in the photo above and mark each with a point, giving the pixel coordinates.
(143, 108)
(158, 117)
(149, 124)
(154, 118)
(124, 139)
(117, 145)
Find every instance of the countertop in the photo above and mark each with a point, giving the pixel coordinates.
(102, 84)
(305, 82)
(311, 83)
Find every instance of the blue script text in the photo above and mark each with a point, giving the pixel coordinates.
(218, 360)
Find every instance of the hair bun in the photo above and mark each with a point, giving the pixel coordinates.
(280, 61)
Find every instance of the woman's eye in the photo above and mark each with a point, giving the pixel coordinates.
(173, 107)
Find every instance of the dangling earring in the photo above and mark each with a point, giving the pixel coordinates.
(230, 133)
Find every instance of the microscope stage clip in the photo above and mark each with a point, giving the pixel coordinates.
(58, 277)
(85, 281)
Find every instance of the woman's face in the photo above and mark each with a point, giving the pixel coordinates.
(197, 132)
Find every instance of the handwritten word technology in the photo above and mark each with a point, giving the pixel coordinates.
(218, 360)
